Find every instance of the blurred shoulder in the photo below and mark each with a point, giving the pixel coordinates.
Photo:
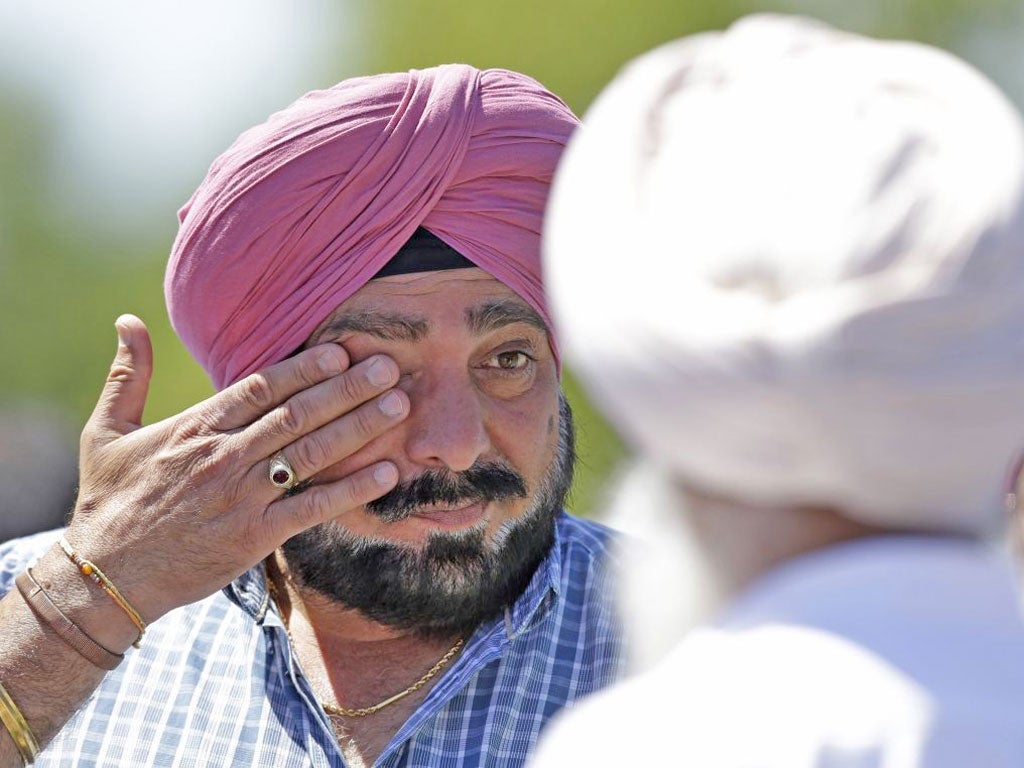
(779, 698)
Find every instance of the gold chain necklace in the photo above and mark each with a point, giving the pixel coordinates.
(333, 709)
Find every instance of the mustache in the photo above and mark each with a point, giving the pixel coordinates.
(484, 481)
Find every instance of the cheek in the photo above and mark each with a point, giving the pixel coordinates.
(523, 430)
(526, 432)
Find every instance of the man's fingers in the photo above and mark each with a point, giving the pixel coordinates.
(318, 504)
(123, 398)
(249, 399)
(339, 396)
(340, 438)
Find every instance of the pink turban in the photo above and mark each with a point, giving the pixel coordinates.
(303, 210)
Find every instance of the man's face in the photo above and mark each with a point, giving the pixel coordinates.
(484, 457)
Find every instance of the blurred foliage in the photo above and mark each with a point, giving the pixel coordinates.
(62, 284)
(61, 288)
(574, 47)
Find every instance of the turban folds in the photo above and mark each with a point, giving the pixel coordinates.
(301, 211)
(823, 303)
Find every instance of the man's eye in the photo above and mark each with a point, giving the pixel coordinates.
(509, 361)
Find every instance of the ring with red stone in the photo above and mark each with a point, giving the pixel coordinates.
(281, 473)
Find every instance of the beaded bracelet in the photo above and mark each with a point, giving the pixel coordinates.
(17, 726)
(91, 570)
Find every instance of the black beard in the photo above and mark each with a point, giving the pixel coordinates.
(456, 581)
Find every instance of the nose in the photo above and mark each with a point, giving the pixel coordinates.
(446, 426)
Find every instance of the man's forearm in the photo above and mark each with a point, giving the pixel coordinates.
(46, 678)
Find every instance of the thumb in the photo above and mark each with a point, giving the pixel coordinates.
(119, 410)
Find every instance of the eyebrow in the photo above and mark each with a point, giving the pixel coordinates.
(393, 326)
(389, 326)
(493, 315)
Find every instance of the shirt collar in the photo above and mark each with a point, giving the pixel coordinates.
(249, 591)
(540, 594)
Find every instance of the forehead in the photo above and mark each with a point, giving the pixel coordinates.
(444, 285)
(423, 299)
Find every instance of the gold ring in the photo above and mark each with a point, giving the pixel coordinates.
(281, 473)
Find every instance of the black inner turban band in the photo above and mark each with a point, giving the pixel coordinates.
(424, 252)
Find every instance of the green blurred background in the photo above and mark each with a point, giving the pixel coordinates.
(110, 114)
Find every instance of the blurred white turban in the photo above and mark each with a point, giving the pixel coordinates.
(789, 264)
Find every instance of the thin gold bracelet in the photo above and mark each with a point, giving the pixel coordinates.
(91, 570)
(16, 725)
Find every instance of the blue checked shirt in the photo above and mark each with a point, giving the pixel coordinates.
(215, 683)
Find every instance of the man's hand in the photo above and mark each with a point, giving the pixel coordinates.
(176, 510)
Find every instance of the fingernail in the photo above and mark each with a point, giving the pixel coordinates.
(379, 373)
(391, 404)
(122, 333)
(329, 362)
(385, 474)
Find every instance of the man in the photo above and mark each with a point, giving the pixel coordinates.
(815, 346)
(381, 238)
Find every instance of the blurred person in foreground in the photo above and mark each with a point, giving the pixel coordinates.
(804, 308)
(360, 278)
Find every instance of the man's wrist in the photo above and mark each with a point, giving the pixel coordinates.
(40, 602)
(84, 603)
